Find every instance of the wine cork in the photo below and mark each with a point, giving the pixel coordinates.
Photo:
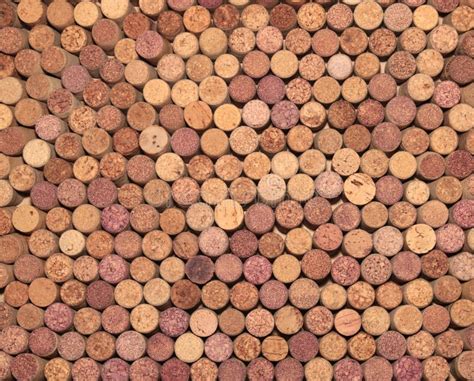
(406, 319)
(333, 296)
(332, 346)
(360, 295)
(359, 189)
(375, 321)
(448, 344)
(215, 295)
(197, 19)
(347, 322)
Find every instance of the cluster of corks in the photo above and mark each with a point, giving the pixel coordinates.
(208, 190)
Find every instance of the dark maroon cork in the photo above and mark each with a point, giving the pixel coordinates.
(273, 294)
(228, 268)
(59, 317)
(49, 127)
(218, 347)
(114, 369)
(71, 346)
(61, 102)
(289, 369)
(325, 43)
(303, 346)
(226, 17)
(199, 269)
(434, 264)
(257, 270)
(459, 164)
(407, 368)
(431, 166)
(144, 369)
(174, 321)
(160, 347)
(243, 243)
(114, 218)
(75, 78)
(175, 370)
(406, 266)
(92, 57)
(436, 319)
(446, 94)
(113, 269)
(171, 117)
(100, 295)
(341, 114)
(135, 24)
(185, 142)
(271, 89)
(450, 238)
(27, 268)
(232, 370)
(259, 218)
(376, 269)
(389, 190)
(347, 216)
(43, 342)
(328, 237)
(370, 113)
(26, 366)
(283, 17)
(347, 369)
(462, 213)
(391, 345)
(85, 369)
(401, 111)
(256, 64)
(377, 369)
(260, 369)
(115, 319)
(460, 69)
(317, 211)
(284, 115)
(345, 271)
(429, 116)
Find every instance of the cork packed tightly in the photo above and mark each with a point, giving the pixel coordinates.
(236, 190)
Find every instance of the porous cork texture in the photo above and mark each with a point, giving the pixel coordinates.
(261, 190)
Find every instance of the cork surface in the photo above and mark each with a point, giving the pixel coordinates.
(236, 190)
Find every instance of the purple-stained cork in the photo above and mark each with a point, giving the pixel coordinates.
(115, 319)
(257, 270)
(345, 271)
(271, 89)
(175, 370)
(259, 218)
(113, 269)
(59, 317)
(185, 142)
(100, 295)
(114, 218)
(284, 115)
(347, 369)
(174, 321)
(303, 346)
(102, 192)
(273, 294)
(407, 368)
(260, 369)
(114, 369)
(232, 369)
(218, 347)
(43, 342)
